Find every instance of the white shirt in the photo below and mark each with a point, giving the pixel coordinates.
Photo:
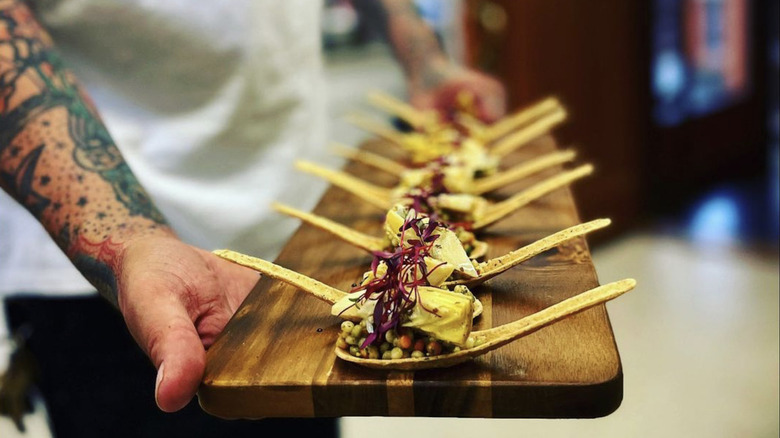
(209, 102)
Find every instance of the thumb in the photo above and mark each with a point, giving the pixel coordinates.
(163, 328)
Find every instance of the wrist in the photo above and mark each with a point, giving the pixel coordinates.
(101, 257)
(432, 73)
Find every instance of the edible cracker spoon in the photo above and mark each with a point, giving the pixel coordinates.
(490, 268)
(316, 288)
(381, 197)
(480, 186)
(496, 337)
(524, 125)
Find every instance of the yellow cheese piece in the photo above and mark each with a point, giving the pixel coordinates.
(445, 315)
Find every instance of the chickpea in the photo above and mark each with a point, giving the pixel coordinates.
(347, 326)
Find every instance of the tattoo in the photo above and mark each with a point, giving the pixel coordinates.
(21, 183)
(98, 261)
(56, 156)
(414, 43)
(96, 152)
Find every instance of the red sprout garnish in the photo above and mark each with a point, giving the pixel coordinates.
(395, 292)
(421, 197)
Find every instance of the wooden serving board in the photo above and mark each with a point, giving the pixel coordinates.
(276, 356)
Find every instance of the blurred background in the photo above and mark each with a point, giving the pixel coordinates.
(676, 102)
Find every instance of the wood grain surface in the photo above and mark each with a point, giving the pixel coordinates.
(276, 356)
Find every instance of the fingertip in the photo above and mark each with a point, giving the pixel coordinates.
(178, 379)
(181, 360)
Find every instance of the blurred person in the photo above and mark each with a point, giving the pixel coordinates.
(209, 102)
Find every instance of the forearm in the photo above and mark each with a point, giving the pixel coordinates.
(412, 40)
(59, 161)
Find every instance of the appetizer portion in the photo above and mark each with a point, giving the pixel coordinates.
(457, 171)
(437, 135)
(415, 326)
(455, 245)
(467, 210)
(486, 269)
(402, 291)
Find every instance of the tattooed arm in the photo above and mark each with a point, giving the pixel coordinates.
(58, 160)
(432, 79)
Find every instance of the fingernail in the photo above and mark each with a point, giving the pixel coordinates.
(160, 375)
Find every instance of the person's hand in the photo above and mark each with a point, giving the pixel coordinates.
(175, 300)
(442, 84)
